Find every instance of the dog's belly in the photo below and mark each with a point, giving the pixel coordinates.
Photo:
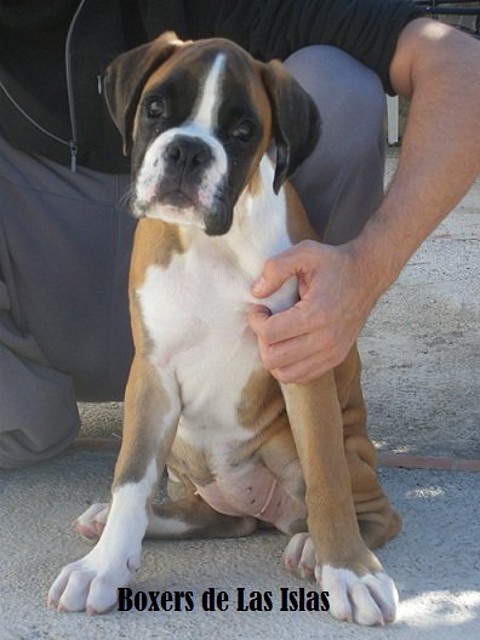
(238, 484)
(224, 459)
(256, 492)
(213, 378)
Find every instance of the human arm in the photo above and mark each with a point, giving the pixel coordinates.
(438, 69)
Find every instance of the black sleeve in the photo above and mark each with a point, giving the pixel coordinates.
(366, 29)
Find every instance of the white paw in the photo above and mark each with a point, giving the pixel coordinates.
(370, 599)
(299, 556)
(91, 583)
(92, 521)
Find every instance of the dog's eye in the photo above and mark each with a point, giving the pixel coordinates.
(243, 131)
(156, 107)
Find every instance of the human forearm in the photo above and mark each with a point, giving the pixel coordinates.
(441, 147)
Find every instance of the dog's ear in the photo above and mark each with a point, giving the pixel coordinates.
(295, 120)
(126, 76)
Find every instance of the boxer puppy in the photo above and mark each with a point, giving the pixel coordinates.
(241, 448)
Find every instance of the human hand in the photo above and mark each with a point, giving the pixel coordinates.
(337, 293)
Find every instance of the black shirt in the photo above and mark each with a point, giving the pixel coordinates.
(53, 56)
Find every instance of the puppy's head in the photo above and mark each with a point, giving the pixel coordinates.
(197, 117)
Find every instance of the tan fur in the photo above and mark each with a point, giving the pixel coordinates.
(145, 400)
(299, 227)
(203, 521)
(182, 452)
(261, 401)
(156, 242)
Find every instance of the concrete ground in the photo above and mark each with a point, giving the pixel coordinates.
(421, 354)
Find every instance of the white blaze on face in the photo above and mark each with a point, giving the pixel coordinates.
(209, 102)
(201, 125)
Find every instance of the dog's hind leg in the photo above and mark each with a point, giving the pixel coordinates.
(192, 517)
(92, 521)
(188, 518)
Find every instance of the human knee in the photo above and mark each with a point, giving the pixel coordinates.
(349, 96)
(341, 182)
(18, 450)
(38, 412)
(332, 76)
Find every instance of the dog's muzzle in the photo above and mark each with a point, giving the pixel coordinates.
(182, 179)
(185, 164)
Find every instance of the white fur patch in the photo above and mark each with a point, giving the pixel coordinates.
(368, 600)
(191, 310)
(91, 583)
(168, 527)
(210, 99)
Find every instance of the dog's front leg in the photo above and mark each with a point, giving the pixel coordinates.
(151, 414)
(359, 589)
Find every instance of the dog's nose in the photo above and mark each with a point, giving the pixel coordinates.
(187, 153)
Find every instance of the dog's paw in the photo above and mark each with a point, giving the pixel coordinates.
(91, 583)
(92, 521)
(367, 599)
(299, 556)
(370, 599)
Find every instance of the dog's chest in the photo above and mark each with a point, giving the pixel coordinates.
(195, 309)
(195, 317)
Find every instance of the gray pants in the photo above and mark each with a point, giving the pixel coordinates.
(65, 241)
